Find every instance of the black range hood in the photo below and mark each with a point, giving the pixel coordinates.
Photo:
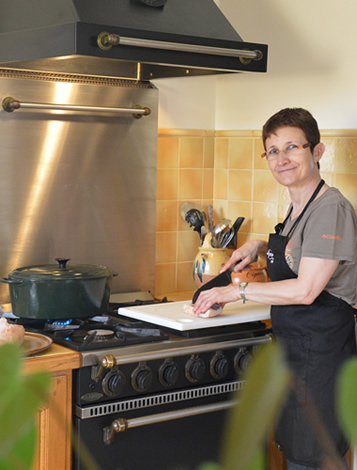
(134, 39)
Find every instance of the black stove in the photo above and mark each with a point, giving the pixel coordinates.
(141, 383)
(160, 393)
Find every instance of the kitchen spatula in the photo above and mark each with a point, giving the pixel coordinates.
(223, 279)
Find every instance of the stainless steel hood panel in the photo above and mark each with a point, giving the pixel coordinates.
(78, 185)
(70, 28)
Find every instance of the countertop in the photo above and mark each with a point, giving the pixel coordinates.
(178, 296)
(55, 358)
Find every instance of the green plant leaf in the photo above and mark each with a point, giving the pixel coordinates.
(267, 383)
(209, 466)
(9, 372)
(20, 397)
(346, 398)
(10, 352)
(259, 461)
(22, 453)
(26, 398)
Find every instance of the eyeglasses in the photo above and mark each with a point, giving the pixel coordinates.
(291, 149)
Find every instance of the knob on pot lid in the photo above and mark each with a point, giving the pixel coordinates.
(61, 271)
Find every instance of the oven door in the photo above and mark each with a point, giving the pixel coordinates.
(170, 431)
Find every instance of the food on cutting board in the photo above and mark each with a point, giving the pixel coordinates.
(211, 312)
(11, 333)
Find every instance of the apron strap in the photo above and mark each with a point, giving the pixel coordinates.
(280, 227)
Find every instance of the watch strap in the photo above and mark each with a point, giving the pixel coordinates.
(242, 287)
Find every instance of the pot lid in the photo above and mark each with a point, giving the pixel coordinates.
(61, 271)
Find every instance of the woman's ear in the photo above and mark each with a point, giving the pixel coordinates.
(318, 151)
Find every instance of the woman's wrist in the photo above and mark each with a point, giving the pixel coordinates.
(242, 293)
(240, 288)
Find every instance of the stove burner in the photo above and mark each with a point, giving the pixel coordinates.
(56, 325)
(100, 319)
(101, 335)
(146, 331)
(101, 332)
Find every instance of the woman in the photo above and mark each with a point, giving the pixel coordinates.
(311, 261)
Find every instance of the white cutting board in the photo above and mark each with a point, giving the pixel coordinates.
(171, 315)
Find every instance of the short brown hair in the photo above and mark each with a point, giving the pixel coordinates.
(293, 117)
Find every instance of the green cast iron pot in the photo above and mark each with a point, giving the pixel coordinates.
(57, 292)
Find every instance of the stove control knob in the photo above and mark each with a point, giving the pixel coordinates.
(242, 360)
(113, 383)
(219, 366)
(142, 378)
(168, 373)
(194, 369)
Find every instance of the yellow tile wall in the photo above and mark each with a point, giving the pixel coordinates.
(224, 168)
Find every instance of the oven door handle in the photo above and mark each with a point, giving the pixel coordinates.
(122, 424)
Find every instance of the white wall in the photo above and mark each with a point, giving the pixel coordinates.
(312, 63)
(187, 103)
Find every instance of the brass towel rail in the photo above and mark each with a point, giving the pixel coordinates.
(10, 104)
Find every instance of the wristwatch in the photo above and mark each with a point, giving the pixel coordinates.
(242, 287)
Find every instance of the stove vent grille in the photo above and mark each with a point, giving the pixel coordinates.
(157, 400)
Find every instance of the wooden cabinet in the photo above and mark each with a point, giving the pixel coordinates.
(55, 416)
(275, 457)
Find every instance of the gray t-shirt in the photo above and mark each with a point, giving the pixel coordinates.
(328, 230)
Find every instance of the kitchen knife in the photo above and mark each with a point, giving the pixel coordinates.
(238, 223)
(236, 226)
(222, 280)
(210, 217)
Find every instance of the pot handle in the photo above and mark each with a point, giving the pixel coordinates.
(62, 262)
(6, 280)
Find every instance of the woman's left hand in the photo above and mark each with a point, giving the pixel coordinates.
(217, 295)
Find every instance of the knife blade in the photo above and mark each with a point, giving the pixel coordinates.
(222, 280)
(210, 217)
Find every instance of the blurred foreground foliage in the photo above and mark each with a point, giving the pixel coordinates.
(346, 399)
(259, 403)
(20, 398)
(250, 421)
(258, 406)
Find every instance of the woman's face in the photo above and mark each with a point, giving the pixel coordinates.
(299, 166)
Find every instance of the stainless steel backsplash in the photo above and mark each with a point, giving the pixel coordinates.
(78, 185)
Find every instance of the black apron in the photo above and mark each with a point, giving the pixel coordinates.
(317, 339)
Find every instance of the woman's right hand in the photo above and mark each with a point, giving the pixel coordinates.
(245, 255)
(217, 295)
